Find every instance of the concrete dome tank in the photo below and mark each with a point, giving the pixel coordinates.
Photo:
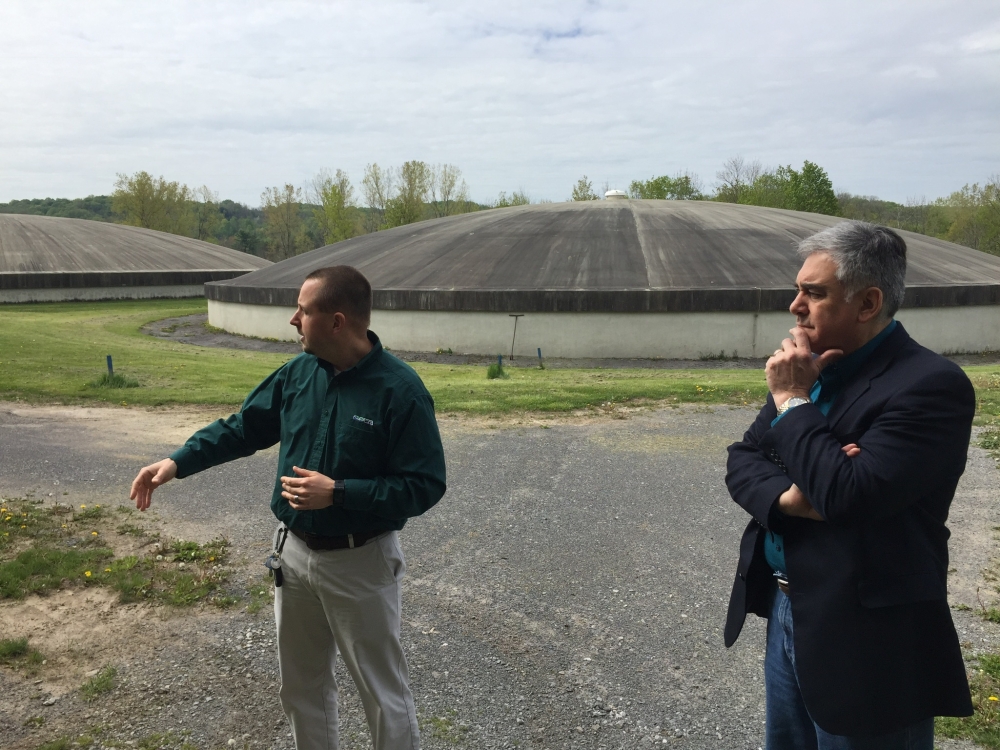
(623, 278)
(49, 259)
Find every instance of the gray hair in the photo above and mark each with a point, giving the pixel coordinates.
(866, 255)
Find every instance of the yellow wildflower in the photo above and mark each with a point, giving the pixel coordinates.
(83, 507)
(93, 533)
(87, 573)
(994, 698)
(107, 570)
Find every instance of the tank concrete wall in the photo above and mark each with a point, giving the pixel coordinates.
(641, 335)
(92, 294)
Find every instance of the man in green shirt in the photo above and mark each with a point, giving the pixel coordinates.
(359, 453)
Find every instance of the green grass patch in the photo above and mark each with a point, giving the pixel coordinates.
(114, 381)
(45, 548)
(445, 728)
(983, 727)
(101, 683)
(463, 389)
(17, 653)
(56, 352)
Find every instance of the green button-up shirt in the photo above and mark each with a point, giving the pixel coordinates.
(372, 426)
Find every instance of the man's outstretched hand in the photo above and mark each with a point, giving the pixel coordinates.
(149, 478)
(793, 503)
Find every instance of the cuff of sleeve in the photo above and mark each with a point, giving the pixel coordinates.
(767, 497)
(186, 463)
(358, 494)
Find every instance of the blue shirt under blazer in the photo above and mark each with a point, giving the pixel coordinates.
(875, 646)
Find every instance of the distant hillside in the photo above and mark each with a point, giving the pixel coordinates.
(94, 207)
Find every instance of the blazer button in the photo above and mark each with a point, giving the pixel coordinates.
(742, 577)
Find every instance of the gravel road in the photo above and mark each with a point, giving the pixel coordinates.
(568, 592)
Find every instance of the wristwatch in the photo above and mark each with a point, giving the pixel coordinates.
(339, 492)
(792, 403)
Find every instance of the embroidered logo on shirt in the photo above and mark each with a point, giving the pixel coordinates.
(364, 420)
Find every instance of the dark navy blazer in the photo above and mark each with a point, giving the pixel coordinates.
(875, 646)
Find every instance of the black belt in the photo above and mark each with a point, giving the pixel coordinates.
(322, 542)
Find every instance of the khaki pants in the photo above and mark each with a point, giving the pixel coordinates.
(348, 601)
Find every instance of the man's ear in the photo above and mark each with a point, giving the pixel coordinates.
(339, 322)
(871, 304)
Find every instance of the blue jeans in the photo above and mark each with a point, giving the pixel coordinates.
(789, 726)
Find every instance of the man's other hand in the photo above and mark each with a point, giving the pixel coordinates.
(793, 503)
(149, 478)
(307, 490)
(792, 370)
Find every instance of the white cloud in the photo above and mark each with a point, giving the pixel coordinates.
(894, 99)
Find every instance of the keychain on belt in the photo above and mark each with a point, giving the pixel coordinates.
(273, 562)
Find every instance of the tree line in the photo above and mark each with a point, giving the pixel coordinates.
(292, 220)
(970, 216)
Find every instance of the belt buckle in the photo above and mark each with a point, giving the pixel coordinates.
(782, 580)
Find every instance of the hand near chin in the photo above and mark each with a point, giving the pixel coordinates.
(792, 370)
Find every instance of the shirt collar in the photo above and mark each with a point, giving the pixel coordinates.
(363, 363)
(847, 367)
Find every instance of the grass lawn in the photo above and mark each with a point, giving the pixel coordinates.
(56, 353)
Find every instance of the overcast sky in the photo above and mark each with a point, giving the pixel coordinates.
(895, 99)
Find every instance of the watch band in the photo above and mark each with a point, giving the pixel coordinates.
(792, 403)
(339, 492)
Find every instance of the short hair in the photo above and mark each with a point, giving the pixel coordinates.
(345, 290)
(866, 255)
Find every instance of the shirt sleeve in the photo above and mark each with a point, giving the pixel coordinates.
(256, 426)
(754, 480)
(414, 479)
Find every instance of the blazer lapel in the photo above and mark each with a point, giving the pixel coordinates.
(871, 369)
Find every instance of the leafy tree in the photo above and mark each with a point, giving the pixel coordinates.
(376, 186)
(413, 186)
(807, 190)
(250, 239)
(205, 217)
(283, 220)
(684, 187)
(448, 192)
(976, 216)
(336, 215)
(517, 198)
(151, 202)
(583, 190)
(735, 179)
(812, 190)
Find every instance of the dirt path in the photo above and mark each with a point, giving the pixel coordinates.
(568, 592)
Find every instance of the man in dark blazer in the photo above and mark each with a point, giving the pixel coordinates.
(848, 473)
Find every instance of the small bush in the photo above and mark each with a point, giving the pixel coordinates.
(114, 381)
(495, 371)
(11, 648)
(989, 439)
(15, 652)
(102, 682)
